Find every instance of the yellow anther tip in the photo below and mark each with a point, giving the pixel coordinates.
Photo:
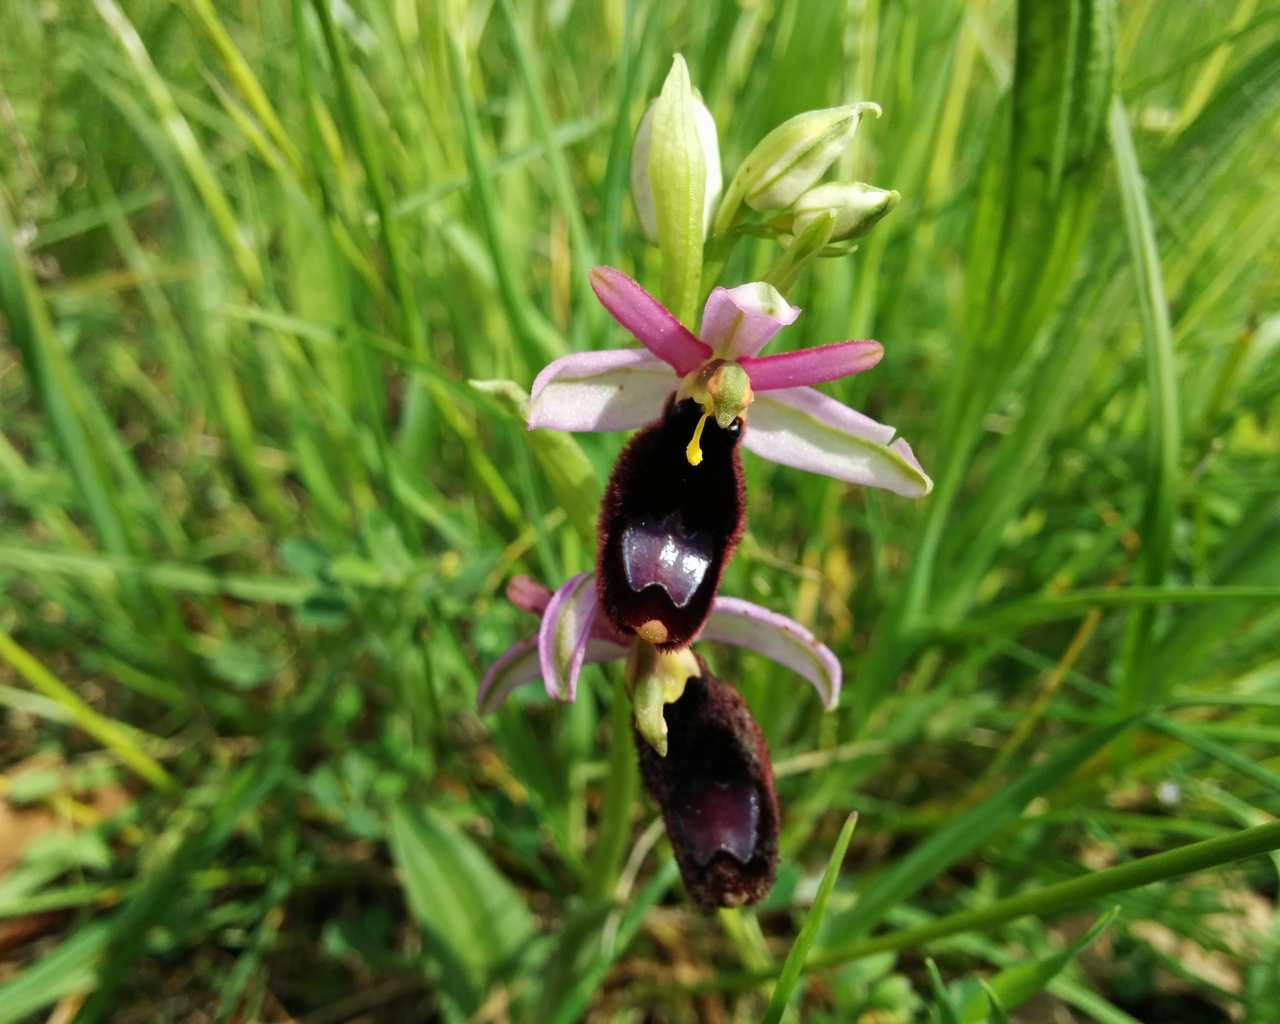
(693, 451)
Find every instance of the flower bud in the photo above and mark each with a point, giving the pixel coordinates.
(857, 208)
(715, 790)
(790, 159)
(643, 181)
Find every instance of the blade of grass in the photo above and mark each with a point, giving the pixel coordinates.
(789, 977)
(583, 252)
(1015, 985)
(184, 141)
(573, 1005)
(1138, 682)
(474, 921)
(1019, 614)
(1043, 902)
(245, 80)
(620, 791)
(537, 340)
(966, 833)
(54, 378)
(1065, 895)
(191, 579)
(122, 741)
(1246, 766)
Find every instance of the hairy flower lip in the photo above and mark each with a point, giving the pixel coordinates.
(715, 790)
(620, 389)
(700, 511)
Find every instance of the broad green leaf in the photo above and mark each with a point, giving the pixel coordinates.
(474, 921)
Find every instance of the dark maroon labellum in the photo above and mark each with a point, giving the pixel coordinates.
(715, 789)
(668, 529)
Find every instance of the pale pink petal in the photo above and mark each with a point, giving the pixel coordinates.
(740, 321)
(801, 427)
(618, 389)
(520, 665)
(528, 595)
(564, 634)
(743, 624)
(531, 596)
(811, 365)
(648, 320)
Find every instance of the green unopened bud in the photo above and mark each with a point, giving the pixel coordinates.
(857, 208)
(673, 154)
(642, 186)
(655, 679)
(790, 159)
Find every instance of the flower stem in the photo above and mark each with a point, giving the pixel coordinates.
(620, 795)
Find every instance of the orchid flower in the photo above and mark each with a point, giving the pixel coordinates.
(573, 633)
(704, 762)
(715, 789)
(785, 419)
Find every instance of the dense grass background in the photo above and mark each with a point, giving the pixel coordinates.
(255, 528)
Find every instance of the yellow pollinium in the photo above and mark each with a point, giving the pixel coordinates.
(693, 451)
(723, 389)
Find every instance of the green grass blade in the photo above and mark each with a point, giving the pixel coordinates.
(1162, 394)
(965, 834)
(68, 968)
(1015, 985)
(184, 141)
(793, 967)
(111, 734)
(1077, 892)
